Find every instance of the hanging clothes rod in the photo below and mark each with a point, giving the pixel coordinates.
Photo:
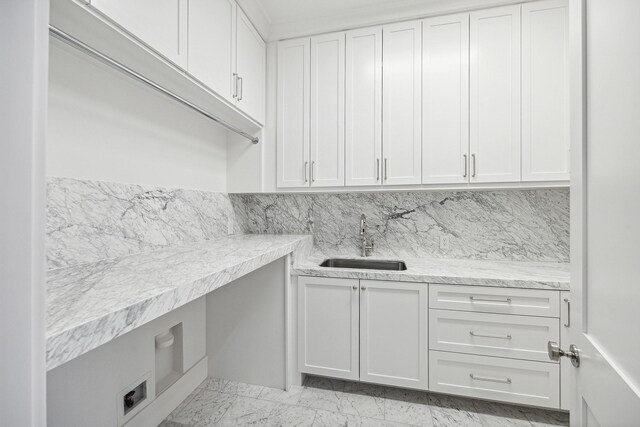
(72, 41)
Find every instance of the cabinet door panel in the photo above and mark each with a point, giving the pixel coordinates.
(363, 107)
(401, 103)
(251, 68)
(212, 30)
(545, 91)
(445, 99)
(327, 110)
(161, 24)
(495, 95)
(328, 312)
(393, 333)
(293, 113)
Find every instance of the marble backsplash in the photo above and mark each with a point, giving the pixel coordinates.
(524, 225)
(88, 221)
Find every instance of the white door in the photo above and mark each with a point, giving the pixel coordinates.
(161, 24)
(212, 41)
(545, 91)
(605, 202)
(393, 333)
(445, 99)
(250, 68)
(363, 107)
(293, 113)
(328, 327)
(401, 103)
(495, 95)
(327, 110)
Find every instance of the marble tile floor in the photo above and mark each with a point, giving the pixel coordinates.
(328, 402)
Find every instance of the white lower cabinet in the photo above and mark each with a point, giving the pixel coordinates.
(475, 341)
(393, 333)
(496, 378)
(328, 327)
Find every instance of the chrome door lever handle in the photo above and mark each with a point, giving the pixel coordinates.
(555, 353)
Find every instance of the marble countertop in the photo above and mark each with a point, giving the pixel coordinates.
(512, 274)
(91, 304)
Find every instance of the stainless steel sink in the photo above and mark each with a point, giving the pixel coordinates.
(367, 264)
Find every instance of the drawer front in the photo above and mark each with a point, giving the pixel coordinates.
(527, 302)
(507, 380)
(517, 337)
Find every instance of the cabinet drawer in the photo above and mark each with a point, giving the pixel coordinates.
(507, 380)
(518, 337)
(528, 302)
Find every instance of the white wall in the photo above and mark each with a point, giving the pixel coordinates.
(23, 91)
(105, 126)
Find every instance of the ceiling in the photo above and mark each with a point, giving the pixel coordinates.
(293, 18)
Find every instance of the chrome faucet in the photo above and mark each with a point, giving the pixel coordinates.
(366, 244)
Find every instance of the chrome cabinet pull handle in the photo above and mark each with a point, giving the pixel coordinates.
(476, 299)
(313, 167)
(377, 170)
(235, 85)
(363, 288)
(473, 163)
(241, 89)
(355, 287)
(464, 172)
(568, 312)
(306, 169)
(385, 169)
(502, 337)
(491, 379)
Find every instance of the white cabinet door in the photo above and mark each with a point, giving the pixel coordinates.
(328, 327)
(445, 99)
(293, 113)
(545, 91)
(212, 44)
(363, 107)
(393, 333)
(327, 110)
(495, 95)
(401, 103)
(250, 68)
(161, 24)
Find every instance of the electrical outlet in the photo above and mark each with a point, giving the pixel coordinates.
(444, 243)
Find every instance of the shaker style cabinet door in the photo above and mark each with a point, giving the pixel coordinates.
(401, 103)
(212, 44)
(293, 104)
(363, 107)
(161, 24)
(445, 99)
(328, 327)
(495, 95)
(250, 68)
(545, 91)
(327, 110)
(393, 333)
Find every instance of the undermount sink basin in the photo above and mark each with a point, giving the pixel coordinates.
(367, 264)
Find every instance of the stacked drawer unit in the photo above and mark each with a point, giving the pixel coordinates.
(490, 343)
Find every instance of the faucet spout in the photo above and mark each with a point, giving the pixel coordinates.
(366, 243)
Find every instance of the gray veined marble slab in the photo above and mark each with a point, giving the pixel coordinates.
(91, 304)
(88, 221)
(521, 225)
(512, 274)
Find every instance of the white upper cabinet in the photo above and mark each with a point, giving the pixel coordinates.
(327, 110)
(212, 44)
(363, 107)
(445, 99)
(495, 95)
(545, 91)
(250, 68)
(161, 24)
(401, 103)
(293, 104)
